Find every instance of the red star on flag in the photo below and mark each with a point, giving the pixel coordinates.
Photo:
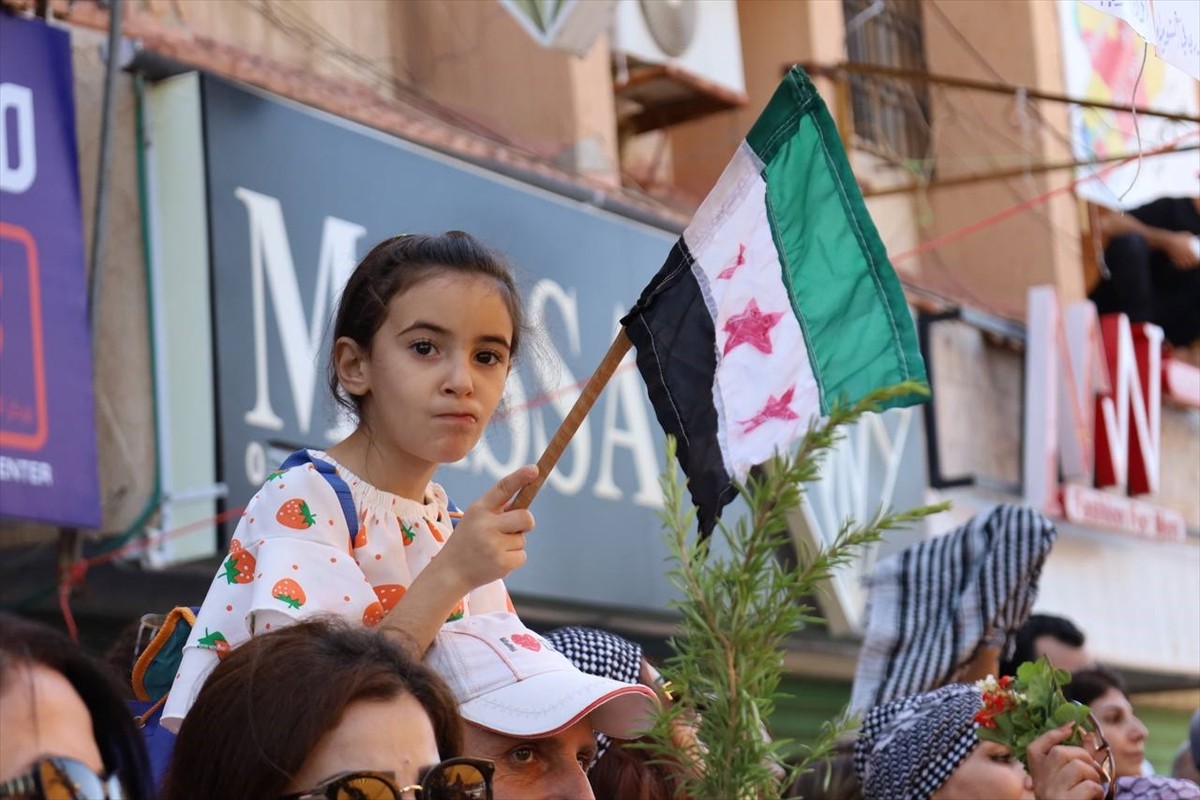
(728, 272)
(751, 327)
(776, 408)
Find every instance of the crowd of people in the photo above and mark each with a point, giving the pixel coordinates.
(358, 640)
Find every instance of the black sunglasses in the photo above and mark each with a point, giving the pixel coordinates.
(452, 779)
(61, 778)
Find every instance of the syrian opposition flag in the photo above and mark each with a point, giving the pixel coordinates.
(777, 301)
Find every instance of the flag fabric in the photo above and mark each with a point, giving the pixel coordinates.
(931, 605)
(777, 301)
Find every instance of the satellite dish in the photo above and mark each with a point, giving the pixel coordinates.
(672, 23)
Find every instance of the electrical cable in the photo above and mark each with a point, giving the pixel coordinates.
(1136, 127)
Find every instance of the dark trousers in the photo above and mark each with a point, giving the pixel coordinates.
(1145, 285)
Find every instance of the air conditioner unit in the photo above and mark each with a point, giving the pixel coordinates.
(676, 60)
(570, 25)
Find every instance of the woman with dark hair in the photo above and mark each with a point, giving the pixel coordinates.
(65, 729)
(1104, 692)
(323, 709)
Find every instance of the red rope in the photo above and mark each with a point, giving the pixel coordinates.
(75, 575)
(1033, 202)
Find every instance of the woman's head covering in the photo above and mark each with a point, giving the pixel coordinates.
(932, 605)
(909, 747)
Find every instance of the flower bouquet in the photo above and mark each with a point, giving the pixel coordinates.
(1018, 710)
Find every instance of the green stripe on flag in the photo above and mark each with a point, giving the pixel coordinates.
(843, 289)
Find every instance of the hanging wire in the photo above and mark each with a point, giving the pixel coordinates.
(1136, 128)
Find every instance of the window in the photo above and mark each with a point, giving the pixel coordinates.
(890, 115)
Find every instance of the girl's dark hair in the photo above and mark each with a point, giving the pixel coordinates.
(396, 265)
(1088, 684)
(269, 702)
(830, 779)
(24, 643)
(633, 773)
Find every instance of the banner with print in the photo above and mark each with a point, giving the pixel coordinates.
(47, 428)
(1105, 60)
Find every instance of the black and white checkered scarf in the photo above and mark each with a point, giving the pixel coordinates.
(601, 653)
(909, 747)
(933, 604)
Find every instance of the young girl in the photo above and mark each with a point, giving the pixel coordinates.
(425, 335)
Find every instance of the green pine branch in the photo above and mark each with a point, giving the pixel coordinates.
(738, 610)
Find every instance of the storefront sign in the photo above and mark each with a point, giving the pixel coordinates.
(47, 429)
(878, 464)
(1106, 510)
(1093, 400)
(296, 197)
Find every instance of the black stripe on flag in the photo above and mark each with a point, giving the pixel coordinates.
(672, 329)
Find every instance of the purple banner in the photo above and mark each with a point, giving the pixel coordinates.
(47, 425)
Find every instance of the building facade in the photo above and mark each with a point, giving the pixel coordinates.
(257, 148)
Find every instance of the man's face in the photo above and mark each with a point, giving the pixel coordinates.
(548, 768)
(1062, 655)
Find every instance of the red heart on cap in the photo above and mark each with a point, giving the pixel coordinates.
(527, 641)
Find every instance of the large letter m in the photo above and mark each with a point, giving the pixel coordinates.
(271, 264)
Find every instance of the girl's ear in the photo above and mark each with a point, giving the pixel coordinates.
(353, 366)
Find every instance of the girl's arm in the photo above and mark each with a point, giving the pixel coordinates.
(487, 544)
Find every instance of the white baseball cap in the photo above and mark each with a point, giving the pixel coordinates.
(511, 681)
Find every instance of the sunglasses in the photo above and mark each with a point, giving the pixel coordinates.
(60, 778)
(452, 779)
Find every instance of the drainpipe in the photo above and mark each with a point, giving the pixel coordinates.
(100, 223)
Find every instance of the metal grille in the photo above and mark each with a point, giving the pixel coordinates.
(890, 116)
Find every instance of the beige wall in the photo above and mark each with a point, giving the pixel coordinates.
(1014, 43)
(774, 35)
(467, 62)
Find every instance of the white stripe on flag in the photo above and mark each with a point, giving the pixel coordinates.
(764, 400)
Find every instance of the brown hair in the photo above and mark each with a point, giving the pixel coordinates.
(1088, 684)
(829, 779)
(397, 264)
(269, 702)
(633, 773)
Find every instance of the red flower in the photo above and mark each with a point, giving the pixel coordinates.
(984, 719)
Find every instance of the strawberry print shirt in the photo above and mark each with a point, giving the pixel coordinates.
(291, 557)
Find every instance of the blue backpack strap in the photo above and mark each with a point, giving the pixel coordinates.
(329, 473)
(455, 513)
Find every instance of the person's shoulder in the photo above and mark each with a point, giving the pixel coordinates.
(294, 473)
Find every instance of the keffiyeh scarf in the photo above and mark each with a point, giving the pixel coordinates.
(933, 604)
(909, 747)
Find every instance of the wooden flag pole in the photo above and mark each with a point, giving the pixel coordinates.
(583, 404)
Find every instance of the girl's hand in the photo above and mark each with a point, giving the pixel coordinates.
(489, 541)
(1061, 772)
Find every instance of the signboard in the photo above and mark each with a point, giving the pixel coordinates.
(297, 196)
(1093, 403)
(47, 427)
(878, 464)
(1102, 61)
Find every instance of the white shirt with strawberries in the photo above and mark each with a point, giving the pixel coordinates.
(291, 557)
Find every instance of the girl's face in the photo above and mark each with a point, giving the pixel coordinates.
(1124, 731)
(990, 770)
(373, 736)
(436, 370)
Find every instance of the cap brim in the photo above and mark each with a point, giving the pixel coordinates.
(546, 704)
